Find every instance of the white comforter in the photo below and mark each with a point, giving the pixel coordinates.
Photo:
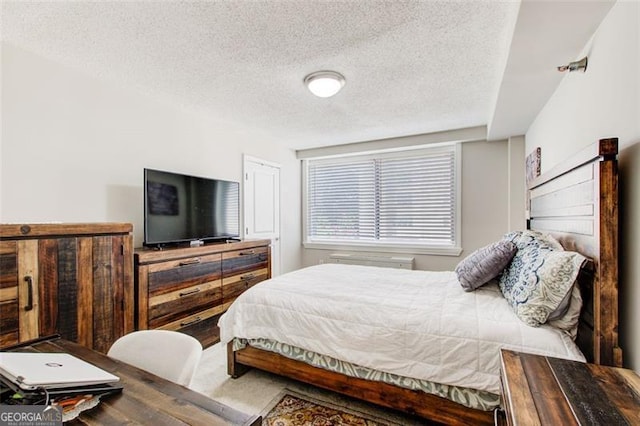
(417, 324)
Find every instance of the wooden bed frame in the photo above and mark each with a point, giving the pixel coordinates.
(576, 202)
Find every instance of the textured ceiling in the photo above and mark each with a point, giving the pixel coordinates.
(411, 67)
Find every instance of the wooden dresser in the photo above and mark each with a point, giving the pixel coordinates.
(72, 279)
(539, 390)
(187, 289)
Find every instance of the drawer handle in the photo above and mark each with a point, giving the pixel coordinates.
(29, 281)
(190, 262)
(186, 293)
(247, 277)
(247, 253)
(193, 321)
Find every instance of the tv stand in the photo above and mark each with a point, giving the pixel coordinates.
(187, 288)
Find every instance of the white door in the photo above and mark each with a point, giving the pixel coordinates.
(262, 205)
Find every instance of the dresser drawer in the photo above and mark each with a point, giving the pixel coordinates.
(170, 276)
(202, 325)
(233, 286)
(241, 261)
(168, 307)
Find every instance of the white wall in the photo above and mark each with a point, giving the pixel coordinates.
(485, 206)
(74, 147)
(516, 183)
(605, 102)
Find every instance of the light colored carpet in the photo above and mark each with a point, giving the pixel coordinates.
(256, 390)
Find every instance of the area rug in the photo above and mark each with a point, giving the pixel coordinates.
(294, 409)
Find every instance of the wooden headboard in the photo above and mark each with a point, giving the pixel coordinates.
(577, 203)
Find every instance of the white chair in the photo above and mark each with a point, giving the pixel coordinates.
(168, 354)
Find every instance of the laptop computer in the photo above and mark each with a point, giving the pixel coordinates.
(31, 371)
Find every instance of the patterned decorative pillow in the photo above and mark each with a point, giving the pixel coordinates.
(484, 264)
(569, 321)
(512, 236)
(531, 238)
(539, 277)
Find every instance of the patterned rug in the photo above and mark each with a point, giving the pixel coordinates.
(293, 409)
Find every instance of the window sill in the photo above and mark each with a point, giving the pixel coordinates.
(386, 248)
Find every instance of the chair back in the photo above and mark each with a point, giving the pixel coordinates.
(168, 354)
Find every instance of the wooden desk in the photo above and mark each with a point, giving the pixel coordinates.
(538, 390)
(145, 398)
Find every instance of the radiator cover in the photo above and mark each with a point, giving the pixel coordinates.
(400, 262)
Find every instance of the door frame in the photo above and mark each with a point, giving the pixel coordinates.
(246, 158)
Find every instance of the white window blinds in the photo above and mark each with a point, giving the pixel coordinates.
(395, 198)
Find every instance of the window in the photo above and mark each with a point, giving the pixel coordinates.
(403, 199)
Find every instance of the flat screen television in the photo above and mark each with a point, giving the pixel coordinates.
(182, 208)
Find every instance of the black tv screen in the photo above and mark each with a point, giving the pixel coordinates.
(179, 208)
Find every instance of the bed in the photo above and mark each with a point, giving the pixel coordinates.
(575, 203)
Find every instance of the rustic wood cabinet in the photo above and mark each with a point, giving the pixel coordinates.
(75, 280)
(187, 289)
(539, 390)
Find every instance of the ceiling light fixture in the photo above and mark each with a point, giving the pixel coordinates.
(324, 84)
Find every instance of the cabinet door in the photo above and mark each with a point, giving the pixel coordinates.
(86, 289)
(18, 291)
(28, 284)
(9, 322)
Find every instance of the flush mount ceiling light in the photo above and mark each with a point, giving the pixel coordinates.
(324, 84)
